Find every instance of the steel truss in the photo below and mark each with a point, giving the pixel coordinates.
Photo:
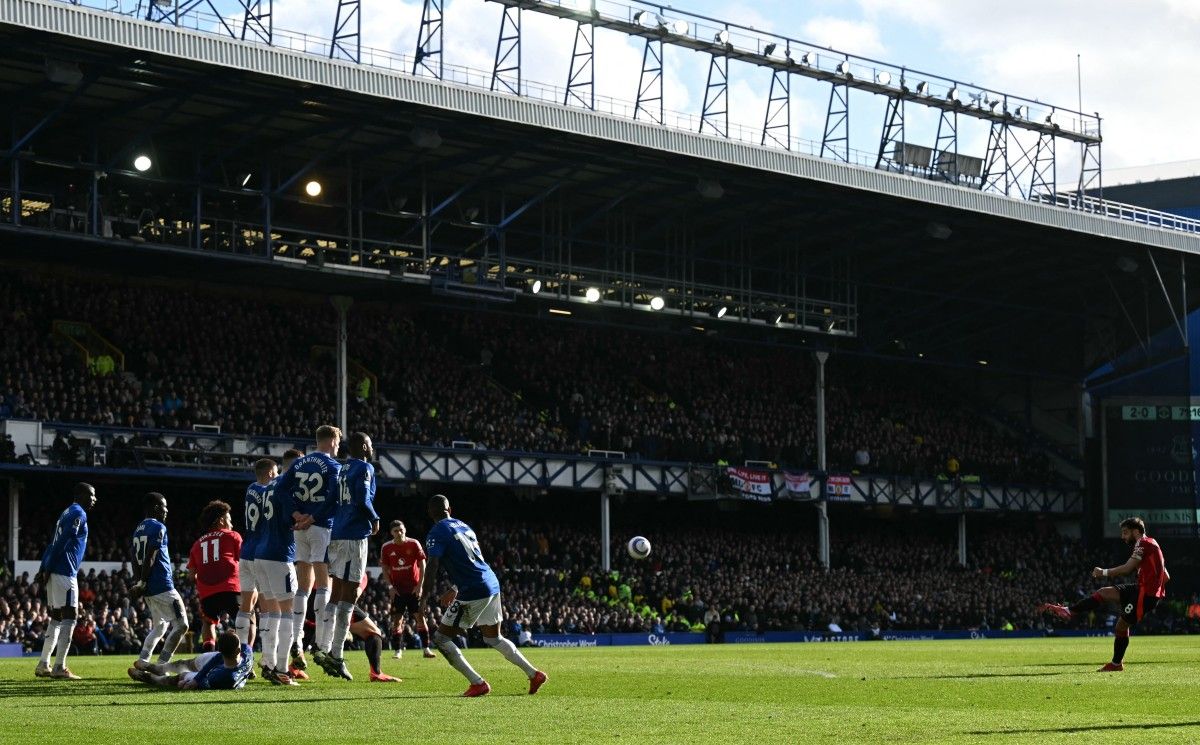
(507, 69)
(650, 84)
(256, 23)
(581, 79)
(777, 124)
(428, 56)
(891, 144)
(347, 31)
(715, 114)
(836, 142)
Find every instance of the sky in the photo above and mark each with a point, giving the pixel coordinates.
(1138, 60)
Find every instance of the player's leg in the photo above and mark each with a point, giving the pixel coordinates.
(421, 626)
(396, 624)
(244, 624)
(299, 608)
(57, 590)
(1120, 644)
(489, 623)
(1098, 599)
(364, 628)
(443, 639)
(322, 588)
(173, 609)
(67, 593)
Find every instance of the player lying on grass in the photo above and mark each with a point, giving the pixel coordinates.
(226, 669)
(1134, 600)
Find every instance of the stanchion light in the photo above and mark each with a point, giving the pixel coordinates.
(142, 163)
(657, 303)
(536, 287)
(313, 188)
(592, 295)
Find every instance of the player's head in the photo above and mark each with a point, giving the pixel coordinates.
(398, 530)
(329, 437)
(229, 646)
(84, 495)
(289, 457)
(265, 469)
(156, 506)
(1132, 528)
(215, 516)
(360, 446)
(438, 507)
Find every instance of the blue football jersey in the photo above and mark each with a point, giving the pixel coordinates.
(455, 545)
(65, 552)
(255, 493)
(276, 539)
(312, 480)
(150, 535)
(356, 502)
(215, 676)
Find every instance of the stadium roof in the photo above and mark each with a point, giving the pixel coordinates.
(950, 273)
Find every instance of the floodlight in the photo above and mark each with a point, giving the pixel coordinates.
(142, 163)
(883, 77)
(954, 95)
(657, 303)
(983, 362)
(922, 88)
(809, 58)
(313, 188)
(679, 27)
(246, 179)
(592, 295)
(769, 49)
(722, 36)
(536, 287)
(1021, 112)
(719, 311)
(778, 319)
(843, 68)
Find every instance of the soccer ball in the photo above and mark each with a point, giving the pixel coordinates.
(638, 547)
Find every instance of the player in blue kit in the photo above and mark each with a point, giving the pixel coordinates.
(59, 573)
(275, 571)
(265, 470)
(312, 479)
(152, 567)
(452, 545)
(226, 669)
(353, 523)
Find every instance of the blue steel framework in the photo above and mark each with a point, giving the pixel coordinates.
(430, 35)
(256, 23)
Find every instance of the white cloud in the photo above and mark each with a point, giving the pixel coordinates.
(856, 37)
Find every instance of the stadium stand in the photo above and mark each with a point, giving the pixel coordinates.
(501, 382)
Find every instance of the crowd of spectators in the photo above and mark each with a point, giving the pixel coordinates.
(257, 364)
(884, 576)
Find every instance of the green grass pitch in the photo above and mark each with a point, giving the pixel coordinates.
(1041, 690)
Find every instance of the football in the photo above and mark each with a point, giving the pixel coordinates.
(638, 547)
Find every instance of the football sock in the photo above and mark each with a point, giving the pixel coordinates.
(341, 622)
(299, 611)
(510, 652)
(424, 634)
(374, 645)
(179, 627)
(152, 639)
(397, 641)
(455, 657)
(1120, 644)
(266, 631)
(50, 641)
(242, 625)
(1087, 605)
(325, 627)
(66, 628)
(322, 616)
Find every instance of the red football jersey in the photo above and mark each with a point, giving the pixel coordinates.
(1152, 572)
(400, 561)
(214, 559)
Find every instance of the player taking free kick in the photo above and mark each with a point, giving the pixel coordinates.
(452, 545)
(1135, 600)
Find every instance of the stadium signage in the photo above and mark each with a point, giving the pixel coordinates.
(749, 637)
(750, 483)
(838, 488)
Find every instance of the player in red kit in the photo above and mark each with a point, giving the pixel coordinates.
(403, 563)
(1134, 601)
(213, 563)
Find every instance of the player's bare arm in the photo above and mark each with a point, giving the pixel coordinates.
(1129, 567)
(427, 581)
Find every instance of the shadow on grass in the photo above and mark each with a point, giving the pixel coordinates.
(1089, 728)
(1098, 662)
(972, 676)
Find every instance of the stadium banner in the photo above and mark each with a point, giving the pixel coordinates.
(797, 485)
(578, 641)
(11, 650)
(838, 488)
(750, 483)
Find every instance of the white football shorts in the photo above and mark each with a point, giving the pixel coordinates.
(348, 559)
(166, 606)
(276, 579)
(463, 614)
(311, 544)
(248, 575)
(62, 592)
